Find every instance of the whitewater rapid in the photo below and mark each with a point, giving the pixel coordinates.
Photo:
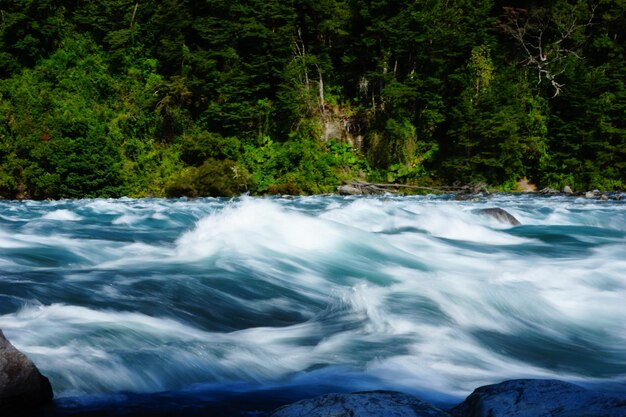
(420, 294)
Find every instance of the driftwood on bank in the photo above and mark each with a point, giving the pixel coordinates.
(365, 188)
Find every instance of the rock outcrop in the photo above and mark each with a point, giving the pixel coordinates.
(499, 214)
(361, 404)
(21, 385)
(525, 186)
(538, 398)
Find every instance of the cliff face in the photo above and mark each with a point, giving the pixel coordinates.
(21, 384)
(339, 124)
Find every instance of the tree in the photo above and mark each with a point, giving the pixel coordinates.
(57, 119)
(498, 132)
(549, 38)
(29, 31)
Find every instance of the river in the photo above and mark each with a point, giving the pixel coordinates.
(120, 298)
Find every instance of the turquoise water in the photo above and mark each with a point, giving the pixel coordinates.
(419, 294)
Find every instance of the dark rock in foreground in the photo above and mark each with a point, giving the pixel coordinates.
(499, 214)
(21, 385)
(538, 398)
(361, 404)
(517, 398)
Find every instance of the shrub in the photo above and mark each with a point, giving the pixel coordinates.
(213, 178)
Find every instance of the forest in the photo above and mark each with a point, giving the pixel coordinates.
(171, 98)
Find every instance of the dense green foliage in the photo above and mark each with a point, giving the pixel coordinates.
(171, 98)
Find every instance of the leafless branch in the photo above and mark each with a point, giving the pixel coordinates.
(547, 39)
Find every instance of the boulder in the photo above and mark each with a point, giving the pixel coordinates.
(361, 404)
(590, 194)
(349, 190)
(567, 190)
(538, 398)
(21, 385)
(499, 214)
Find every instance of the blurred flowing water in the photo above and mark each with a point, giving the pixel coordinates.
(419, 294)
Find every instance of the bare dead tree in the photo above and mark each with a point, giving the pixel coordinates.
(547, 38)
(302, 61)
(132, 19)
(300, 52)
(322, 101)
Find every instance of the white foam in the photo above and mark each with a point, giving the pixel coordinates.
(38, 319)
(62, 215)
(450, 223)
(128, 219)
(93, 350)
(253, 226)
(7, 242)
(106, 206)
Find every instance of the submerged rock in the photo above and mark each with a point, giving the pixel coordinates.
(538, 398)
(466, 198)
(499, 214)
(21, 385)
(361, 404)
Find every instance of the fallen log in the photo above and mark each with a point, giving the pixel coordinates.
(362, 187)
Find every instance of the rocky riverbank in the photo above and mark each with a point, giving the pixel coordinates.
(517, 398)
(468, 191)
